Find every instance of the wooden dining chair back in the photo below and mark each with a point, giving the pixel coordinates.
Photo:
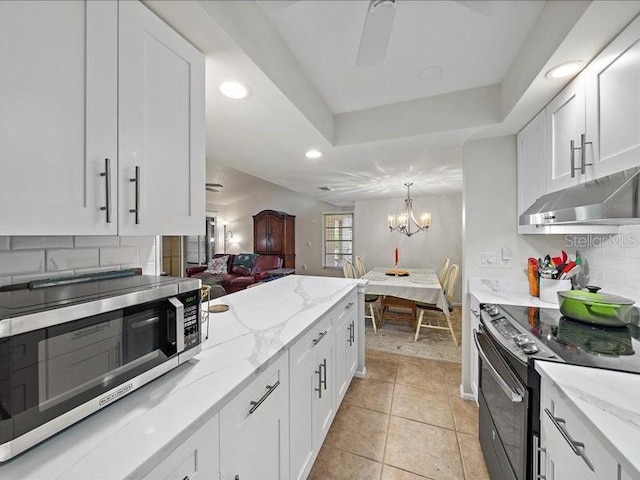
(348, 270)
(432, 322)
(442, 273)
(359, 266)
(450, 283)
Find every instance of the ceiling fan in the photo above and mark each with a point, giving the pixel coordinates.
(378, 24)
(213, 187)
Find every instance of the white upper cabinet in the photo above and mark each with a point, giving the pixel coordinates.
(565, 125)
(613, 104)
(161, 127)
(58, 117)
(88, 92)
(531, 162)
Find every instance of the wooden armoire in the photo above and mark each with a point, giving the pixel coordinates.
(274, 233)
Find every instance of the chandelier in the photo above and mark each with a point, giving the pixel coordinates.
(402, 222)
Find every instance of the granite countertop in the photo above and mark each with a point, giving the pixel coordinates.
(131, 436)
(608, 402)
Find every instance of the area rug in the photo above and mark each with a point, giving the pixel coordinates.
(397, 337)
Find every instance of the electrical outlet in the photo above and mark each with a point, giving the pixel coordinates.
(487, 260)
(504, 259)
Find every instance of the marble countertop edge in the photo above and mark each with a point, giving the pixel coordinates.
(613, 439)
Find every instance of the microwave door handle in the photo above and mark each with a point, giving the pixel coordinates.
(514, 396)
(179, 310)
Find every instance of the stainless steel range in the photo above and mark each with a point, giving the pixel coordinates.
(509, 340)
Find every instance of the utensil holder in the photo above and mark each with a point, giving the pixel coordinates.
(549, 289)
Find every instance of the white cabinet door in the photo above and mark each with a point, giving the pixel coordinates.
(325, 401)
(58, 117)
(565, 123)
(613, 104)
(160, 127)
(197, 458)
(475, 325)
(531, 162)
(254, 428)
(352, 350)
(303, 421)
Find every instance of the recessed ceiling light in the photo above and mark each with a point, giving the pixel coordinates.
(234, 89)
(564, 70)
(313, 154)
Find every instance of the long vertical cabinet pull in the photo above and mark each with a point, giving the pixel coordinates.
(136, 210)
(583, 153)
(107, 180)
(350, 339)
(537, 450)
(573, 159)
(324, 368)
(319, 389)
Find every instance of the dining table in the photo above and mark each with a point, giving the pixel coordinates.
(420, 285)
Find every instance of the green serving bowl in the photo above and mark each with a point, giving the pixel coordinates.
(595, 308)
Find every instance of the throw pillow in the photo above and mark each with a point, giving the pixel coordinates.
(218, 265)
(243, 263)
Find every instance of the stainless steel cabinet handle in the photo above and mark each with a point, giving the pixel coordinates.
(107, 181)
(514, 396)
(349, 305)
(324, 369)
(583, 153)
(319, 389)
(136, 180)
(351, 334)
(270, 389)
(317, 340)
(573, 159)
(575, 446)
(536, 459)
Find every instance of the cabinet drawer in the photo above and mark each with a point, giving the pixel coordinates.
(245, 411)
(597, 457)
(196, 458)
(300, 351)
(345, 307)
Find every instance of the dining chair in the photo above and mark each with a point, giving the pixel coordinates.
(442, 274)
(369, 300)
(348, 270)
(359, 265)
(448, 288)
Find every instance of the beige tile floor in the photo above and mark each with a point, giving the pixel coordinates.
(405, 421)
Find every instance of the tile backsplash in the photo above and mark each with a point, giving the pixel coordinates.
(613, 261)
(23, 259)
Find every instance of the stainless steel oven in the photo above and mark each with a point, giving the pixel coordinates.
(67, 351)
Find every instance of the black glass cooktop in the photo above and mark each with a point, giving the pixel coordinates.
(614, 348)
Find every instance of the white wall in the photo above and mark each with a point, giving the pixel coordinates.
(490, 222)
(23, 259)
(376, 244)
(266, 195)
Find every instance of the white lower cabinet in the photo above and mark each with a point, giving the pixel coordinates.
(569, 449)
(254, 428)
(197, 458)
(312, 395)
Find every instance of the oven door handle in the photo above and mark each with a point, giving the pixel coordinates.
(515, 397)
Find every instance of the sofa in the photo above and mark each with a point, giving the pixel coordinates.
(242, 270)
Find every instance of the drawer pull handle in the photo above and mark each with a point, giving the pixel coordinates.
(351, 304)
(577, 447)
(270, 389)
(317, 340)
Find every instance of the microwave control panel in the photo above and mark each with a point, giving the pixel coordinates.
(191, 303)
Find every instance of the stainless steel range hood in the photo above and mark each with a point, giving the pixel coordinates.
(611, 200)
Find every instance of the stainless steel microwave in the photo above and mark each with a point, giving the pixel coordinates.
(67, 351)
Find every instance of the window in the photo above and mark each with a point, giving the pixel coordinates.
(337, 239)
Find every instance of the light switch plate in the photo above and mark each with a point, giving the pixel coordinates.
(487, 260)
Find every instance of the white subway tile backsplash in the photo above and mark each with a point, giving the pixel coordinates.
(21, 261)
(30, 243)
(96, 241)
(72, 258)
(145, 240)
(119, 256)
